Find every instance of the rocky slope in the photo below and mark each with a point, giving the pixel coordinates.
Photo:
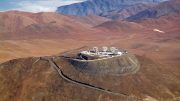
(127, 11)
(98, 7)
(35, 80)
(172, 6)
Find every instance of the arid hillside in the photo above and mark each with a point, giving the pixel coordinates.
(143, 36)
(24, 37)
(36, 79)
(23, 25)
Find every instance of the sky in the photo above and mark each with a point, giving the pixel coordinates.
(34, 5)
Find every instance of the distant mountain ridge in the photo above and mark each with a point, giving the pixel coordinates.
(97, 7)
(23, 25)
(164, 8)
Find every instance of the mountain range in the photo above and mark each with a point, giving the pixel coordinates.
(147, 28)
(120, 10)
(99, 7)
(16, 25)
(159, 10)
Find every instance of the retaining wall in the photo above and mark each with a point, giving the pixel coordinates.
(124, 64)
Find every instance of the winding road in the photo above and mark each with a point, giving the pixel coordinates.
(65, 77)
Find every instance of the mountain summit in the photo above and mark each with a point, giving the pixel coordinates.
(98, 7)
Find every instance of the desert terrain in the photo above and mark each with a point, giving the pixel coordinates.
(24, 37)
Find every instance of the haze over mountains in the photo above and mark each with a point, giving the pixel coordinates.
(148, 28)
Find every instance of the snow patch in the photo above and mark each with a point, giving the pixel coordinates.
(157, 30)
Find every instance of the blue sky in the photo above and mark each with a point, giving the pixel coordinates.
(34, 5)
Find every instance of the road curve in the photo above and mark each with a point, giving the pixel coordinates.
(65, 77)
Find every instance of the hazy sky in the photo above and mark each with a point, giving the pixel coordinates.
(34, 5)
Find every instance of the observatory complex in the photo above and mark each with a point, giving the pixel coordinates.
(105, 61)
(102, 53)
